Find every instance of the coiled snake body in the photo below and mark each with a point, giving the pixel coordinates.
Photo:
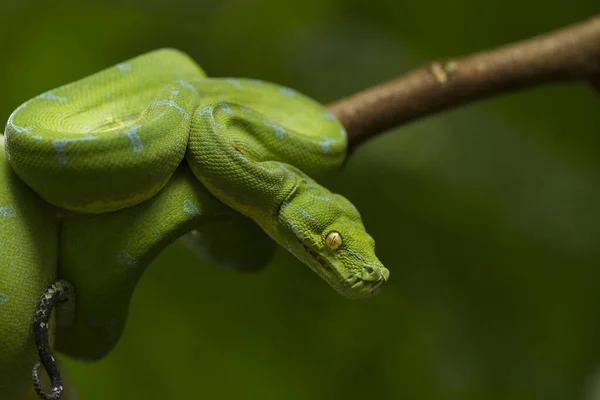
(121, 163)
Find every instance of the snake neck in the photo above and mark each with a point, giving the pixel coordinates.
(225, 157)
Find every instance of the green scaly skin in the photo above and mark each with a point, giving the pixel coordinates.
(108, 152)
(29, 232)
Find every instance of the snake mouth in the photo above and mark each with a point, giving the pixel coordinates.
(368, 287)
(355, 286)
(323, 262)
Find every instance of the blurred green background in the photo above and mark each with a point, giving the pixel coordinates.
(487, 216)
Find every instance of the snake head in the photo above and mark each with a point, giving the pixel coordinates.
(325, 231)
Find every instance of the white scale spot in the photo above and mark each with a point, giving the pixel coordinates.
(288, 91)
(322, 198)
(226, 108)
(3, 298)
(18, 129)
(8, 211)
(124, 67)
(325, 144)
(189, 86)
(134, 139)
(235, 82)
(125, 258)
(285, 168)
(243, 157)
(171, 103)
(328, 115)
(246, 110)
(279, 131)
(190, 208)
(51, 96)
(208, 110)
(37, 137)
(59, 146)
(158, 116)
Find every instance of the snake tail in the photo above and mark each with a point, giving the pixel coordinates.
(59, 291)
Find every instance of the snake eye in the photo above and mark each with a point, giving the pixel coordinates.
(334, 240)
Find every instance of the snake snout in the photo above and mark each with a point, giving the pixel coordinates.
(368, 281)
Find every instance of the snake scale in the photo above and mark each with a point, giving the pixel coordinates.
(98, 176)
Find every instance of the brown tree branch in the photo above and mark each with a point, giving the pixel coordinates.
(572, 53)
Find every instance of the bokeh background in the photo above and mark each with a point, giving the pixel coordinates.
(488, 216)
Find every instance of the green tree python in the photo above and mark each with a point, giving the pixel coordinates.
(98, 176)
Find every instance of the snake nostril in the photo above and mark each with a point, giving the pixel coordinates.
(369, 269)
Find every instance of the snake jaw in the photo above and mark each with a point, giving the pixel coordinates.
(353, 286)
(327, 269)
(362, 285)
